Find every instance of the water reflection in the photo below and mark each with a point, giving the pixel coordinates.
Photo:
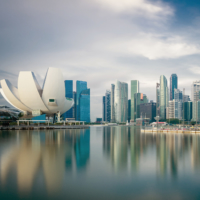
(48, 153)
(128, 149)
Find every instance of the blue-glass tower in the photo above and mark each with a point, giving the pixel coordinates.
(82, 101)
(74, 107)
(69, 94)
(173, 85)
(104, 108)
(85, 105)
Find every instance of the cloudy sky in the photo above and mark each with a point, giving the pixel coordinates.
(101, 41)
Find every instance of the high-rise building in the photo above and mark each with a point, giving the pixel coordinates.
(186, 98)
(178, 97)
(139, 98)
(108, 106)
(106, 114)
(134, 90)
(84, 102)
(112, 103)
(157, 99)
(173, 85)
(68, 94)
(171, 109)
(104, 108)
(187, 111)
(121, 102)
(74, 107)
(163, 96)
(148, 110)
(129, 110)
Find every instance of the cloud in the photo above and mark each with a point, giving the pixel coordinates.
(194, 69)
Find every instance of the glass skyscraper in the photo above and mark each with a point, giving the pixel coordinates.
(84, 107)
(173, 85)
(134, 90)
(112, 103)
(68, 94)
(82, 101)
(139, 98)
(187, 110)
(178, 97)
(121, 102)
(107, 106)
(164, 99)
(104, 108)
(74, 107)
(129, 110)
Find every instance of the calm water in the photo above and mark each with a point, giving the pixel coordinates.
(98, 163)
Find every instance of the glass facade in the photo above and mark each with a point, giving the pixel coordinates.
(121, 102)
(187, 110)
(112, 103)
(148, 110)
(129, 110)
(173, 85)
(108, 106)
(85, 105)
(74, 107)
(178, 97)
(134, 90)
(68, 94)
(80, 86)
(164, 99)
(139, 98)
(104, 108)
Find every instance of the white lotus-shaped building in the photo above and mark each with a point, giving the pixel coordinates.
(29, 97)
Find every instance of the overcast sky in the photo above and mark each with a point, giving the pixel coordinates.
(101, 41)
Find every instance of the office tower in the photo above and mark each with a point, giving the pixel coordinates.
(74, 107)
(139, 98)
(107, 106)
(187, 111)
(84, 101)
(134, 90)
(104, 108)
(195, 90)
(121, 102)
(68, 94)
(129, 110)
(178, 97)
(157, 99)
(112, 103)
(173, 85)
(171, 109)
(163, 96)
(148, 110)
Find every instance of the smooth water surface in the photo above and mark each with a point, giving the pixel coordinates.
(99, 163)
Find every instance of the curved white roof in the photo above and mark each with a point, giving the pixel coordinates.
(29, 96)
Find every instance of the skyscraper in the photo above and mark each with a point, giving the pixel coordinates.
(139, 98)
(187, 110)
(173, 85)
(106, 112)
(178, 98)
(129, 110)
(163, 96)
(195, 98)
(104, 108)
(74, 107)
(68, 94)
(112, 103)
(121, 102)
(82, 101)
(134, 90)
(85, 105)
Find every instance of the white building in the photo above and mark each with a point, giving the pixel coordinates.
(171, 109)
(30, 98)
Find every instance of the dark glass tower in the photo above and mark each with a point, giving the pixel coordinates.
(104, 108)
(84, 107)
(173, 85)
(80, 86)
(68, 94)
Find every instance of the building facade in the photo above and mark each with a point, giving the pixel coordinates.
(121, 102)
(148, 110)
(74, 107)
(140, 98)
(134, 90)
(84, 102)
(187, 109)
(171, 109)
(129, 110)
(178, 97)
(173, 85)
(112, 103)
(163, 96)
(104, 108)
(68, 94)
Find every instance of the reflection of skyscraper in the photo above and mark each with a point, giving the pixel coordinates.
(82, 149)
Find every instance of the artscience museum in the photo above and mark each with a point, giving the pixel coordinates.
(33, 100)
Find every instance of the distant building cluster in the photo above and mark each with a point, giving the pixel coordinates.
(171, 102)
(81, 108)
